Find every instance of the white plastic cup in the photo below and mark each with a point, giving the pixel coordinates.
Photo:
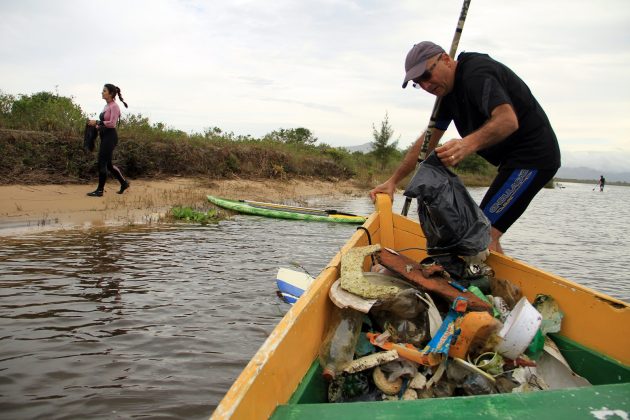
(519, 329)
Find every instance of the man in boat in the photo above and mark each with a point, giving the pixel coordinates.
(496, 116)
(602, 182)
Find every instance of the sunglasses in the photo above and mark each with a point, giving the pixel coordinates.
(426, 76)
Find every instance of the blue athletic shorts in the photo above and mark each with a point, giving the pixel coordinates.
(510, 194)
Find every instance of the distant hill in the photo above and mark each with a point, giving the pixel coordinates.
(585, 173)
(577, 173)
(363, 148)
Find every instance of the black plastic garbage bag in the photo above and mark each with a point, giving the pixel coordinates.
(89, 137)
(450, 219)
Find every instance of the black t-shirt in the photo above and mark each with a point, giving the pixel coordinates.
(482, 84)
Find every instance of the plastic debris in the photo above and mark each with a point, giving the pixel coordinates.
(431, 351)
(355, 281)
(480, 281)
(439, 345)
(554, 368)
(475, 328)
(349, 388)
(404, 316)
(389, 388)
(519, 329)
(406, 304)
(338, 346)
(370, 361)
(477, 292)
(473, 369)
(476, 384)
(437, 376)
(443, 389)
(406, 351)
(505, 384)
(409, 394)
(363, 347)
(343, 299)
(405, 331)
(456, 372)
(501, 307)
(400, 368)
(507, 290)
(435, 285)
(435, 319)
(551, 314)
(477, 259)
(535, 349)
(418, 382)
(490, 362)
(529, 380)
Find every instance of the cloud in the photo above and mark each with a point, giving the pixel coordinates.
(332, 66)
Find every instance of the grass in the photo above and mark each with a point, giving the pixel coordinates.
(190, 215)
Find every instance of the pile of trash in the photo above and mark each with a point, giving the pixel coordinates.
(407, 331)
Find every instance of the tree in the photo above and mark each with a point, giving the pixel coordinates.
(299, 135)
(381, 147)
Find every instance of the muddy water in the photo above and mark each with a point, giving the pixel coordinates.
(158, 322)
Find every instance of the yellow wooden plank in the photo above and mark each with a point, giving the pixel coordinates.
(384, 210)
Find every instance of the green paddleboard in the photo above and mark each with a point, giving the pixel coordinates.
(281, 211)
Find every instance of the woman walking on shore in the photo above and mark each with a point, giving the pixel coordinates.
(106, 125)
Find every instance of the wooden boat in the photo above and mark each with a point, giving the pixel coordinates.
(283, 379)
(281, 211)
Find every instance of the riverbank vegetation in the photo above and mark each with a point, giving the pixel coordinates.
(41, 141)
(191, 215)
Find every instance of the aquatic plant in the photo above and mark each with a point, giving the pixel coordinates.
(190, 215)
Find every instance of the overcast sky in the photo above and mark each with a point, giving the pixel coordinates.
(332, 66)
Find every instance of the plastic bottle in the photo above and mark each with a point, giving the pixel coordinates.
(337, 349)
(476, 384)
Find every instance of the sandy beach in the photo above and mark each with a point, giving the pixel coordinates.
(26, 208)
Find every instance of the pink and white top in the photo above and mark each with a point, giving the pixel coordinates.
(110, 114)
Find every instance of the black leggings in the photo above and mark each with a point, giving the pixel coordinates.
(109, 140)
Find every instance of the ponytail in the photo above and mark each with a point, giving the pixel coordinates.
(120, 96)
(115, 90)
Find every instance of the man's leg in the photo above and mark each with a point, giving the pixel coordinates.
(495, 245)
(508, 197)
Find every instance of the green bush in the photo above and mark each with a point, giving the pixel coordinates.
(52, 151)
(43, 111)
(475, 164)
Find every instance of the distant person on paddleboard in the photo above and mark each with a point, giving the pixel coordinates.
(498, 118)
(106, 124)
(602, 183)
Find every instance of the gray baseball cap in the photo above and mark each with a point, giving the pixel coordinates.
(416, 62)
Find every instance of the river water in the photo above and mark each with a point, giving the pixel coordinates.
(158, 321)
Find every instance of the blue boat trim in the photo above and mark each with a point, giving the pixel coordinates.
(285, 287)
(288, 298)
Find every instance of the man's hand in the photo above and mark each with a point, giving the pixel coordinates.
(453, 152)
(388, 187)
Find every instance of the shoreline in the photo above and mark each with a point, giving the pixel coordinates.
(35, 208)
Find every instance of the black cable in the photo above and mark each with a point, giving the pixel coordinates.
(369, 242)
